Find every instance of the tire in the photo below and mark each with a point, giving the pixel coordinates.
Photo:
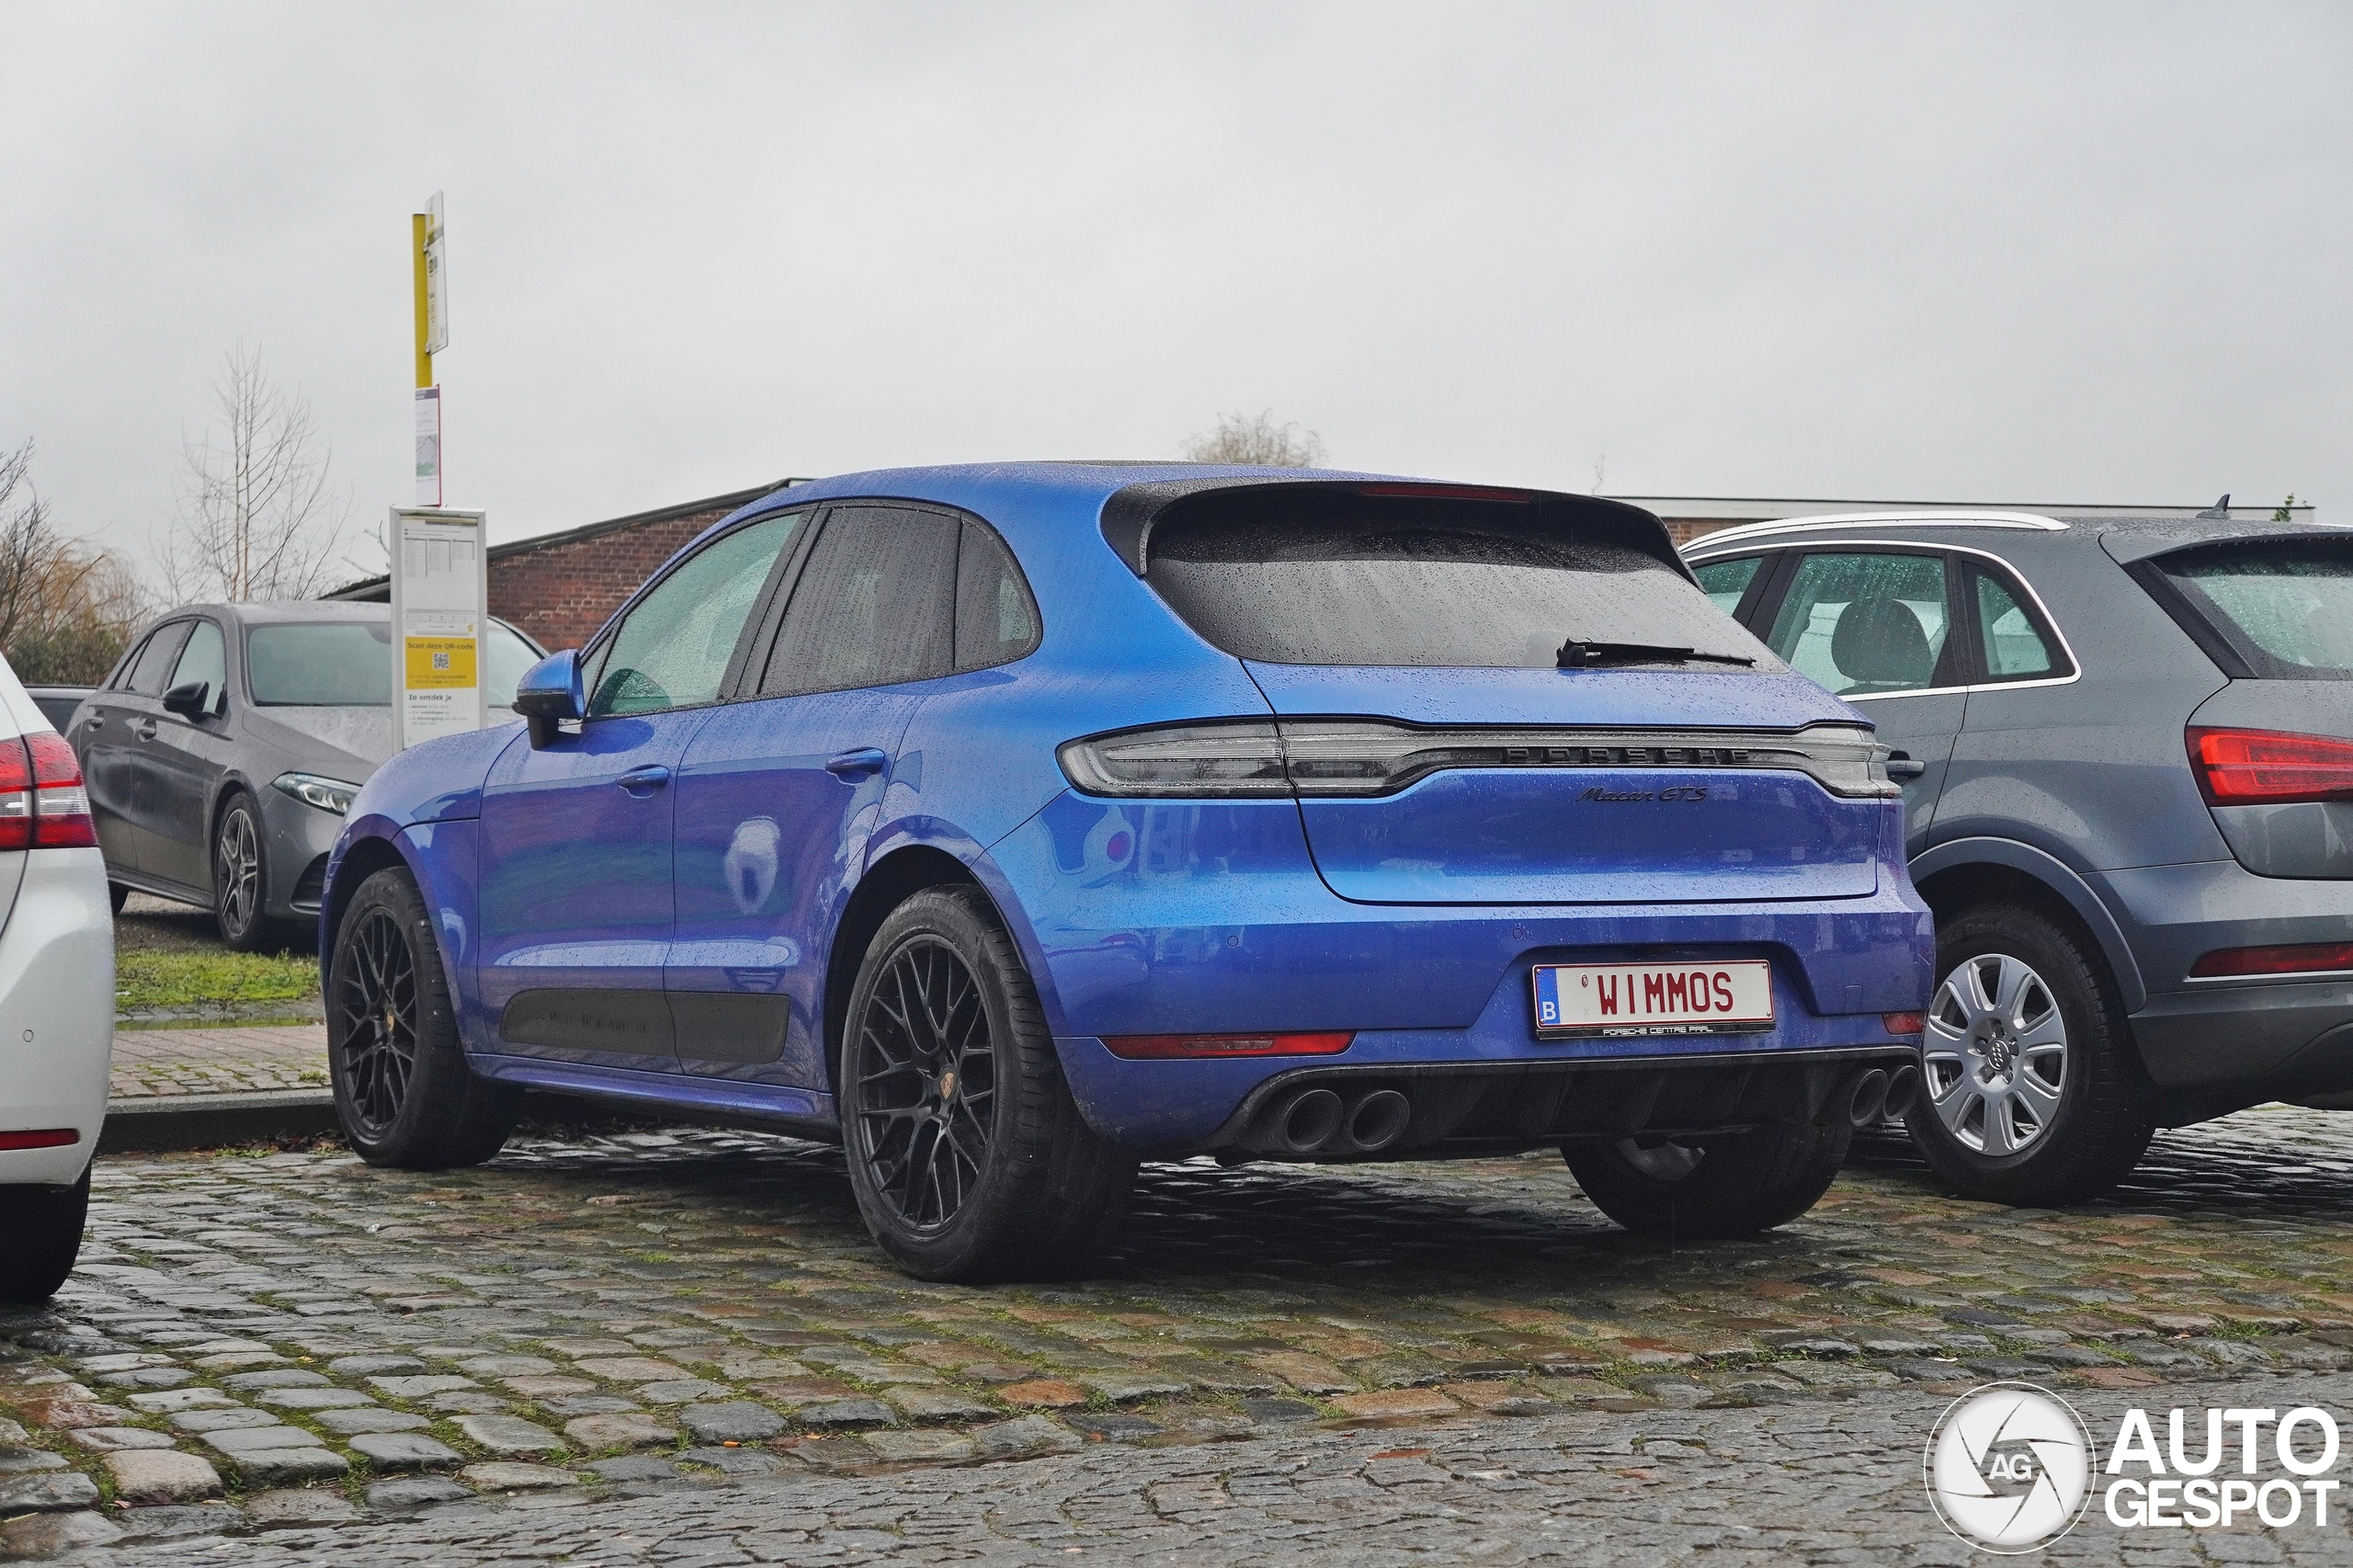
(2013, 1137)
(970, 1160)
(1716, 1188)
(44, 1238)
(241, 879)
(404, 1092)
(118, 896)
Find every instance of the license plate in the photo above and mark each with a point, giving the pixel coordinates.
(1578, 999)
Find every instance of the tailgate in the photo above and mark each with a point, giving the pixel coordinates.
(1531, 786)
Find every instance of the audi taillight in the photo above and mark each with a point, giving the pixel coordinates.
(2269, 767)
(42, 804)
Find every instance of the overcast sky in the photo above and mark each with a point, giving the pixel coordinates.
(1967, 252)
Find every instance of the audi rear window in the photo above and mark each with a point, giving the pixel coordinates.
(1333, 578)
(2285, 608)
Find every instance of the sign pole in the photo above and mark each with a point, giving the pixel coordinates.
(440, 566)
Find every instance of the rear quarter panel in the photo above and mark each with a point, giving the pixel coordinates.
(2093, 772)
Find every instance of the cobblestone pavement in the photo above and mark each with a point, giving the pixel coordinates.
(680, 1348)
(215, 1062)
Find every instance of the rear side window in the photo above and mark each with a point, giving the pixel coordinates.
(1335, 578)
(875, 604)
(2011, 644)
(996, 621)
(2285, 609)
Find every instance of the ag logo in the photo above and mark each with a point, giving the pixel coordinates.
(2009, 1468)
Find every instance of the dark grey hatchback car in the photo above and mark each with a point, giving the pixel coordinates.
(2127, 755)
(221, 751)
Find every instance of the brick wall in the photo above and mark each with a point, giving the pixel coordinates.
(563, 593)
(1683, 530)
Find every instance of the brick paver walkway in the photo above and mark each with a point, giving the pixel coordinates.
(681, 1348)
(216, 1061)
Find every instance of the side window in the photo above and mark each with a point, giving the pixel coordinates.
(874, 605)
(996, 621)
(206, 658)
(156, 659)
(2011, 643)
(1864, 622)
(672, 649)
(1725, 581)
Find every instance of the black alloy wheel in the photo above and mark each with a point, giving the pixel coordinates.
(969, 1157)
(403, 1092)
(375, 994)
(926, 1074)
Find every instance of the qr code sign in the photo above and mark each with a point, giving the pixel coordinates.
(440, 661)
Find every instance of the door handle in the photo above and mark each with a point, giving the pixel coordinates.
(1902, 766)
(859, 763)
(97, 722)
(642, 781)
(146, 729)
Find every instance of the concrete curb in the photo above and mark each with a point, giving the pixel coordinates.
(159, 1123)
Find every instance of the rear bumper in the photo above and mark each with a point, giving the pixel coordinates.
(1210, 918)
(2288, 1035)
(56, 1012)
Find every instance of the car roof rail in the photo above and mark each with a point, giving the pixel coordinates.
(2024, 521)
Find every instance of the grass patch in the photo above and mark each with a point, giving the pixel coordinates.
(160, 977)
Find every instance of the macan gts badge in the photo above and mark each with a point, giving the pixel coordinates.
(1013, 825)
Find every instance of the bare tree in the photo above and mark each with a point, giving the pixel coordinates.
(1257, 440)
(258, 517)
(66, 609)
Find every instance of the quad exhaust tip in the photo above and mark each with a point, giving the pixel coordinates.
(1308, 1120)
(1867, 1106)
(1902, 1088)
(1378, 1120)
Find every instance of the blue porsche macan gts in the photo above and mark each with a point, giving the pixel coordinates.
(1012, 825)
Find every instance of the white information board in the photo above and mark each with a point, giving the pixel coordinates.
(428, 446)
(440, 614)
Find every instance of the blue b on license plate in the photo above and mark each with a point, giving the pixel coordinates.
(1675, 997)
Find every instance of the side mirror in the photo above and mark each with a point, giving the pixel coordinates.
(190, 699)
(549, 694)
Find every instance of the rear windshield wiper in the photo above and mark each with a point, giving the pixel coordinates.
(1574, 654)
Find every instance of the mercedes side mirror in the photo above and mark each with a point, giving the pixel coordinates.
(190, 699)
(549, 694)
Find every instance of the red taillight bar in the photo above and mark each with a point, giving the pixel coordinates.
(2252, 768)
(1174, 1047)
(1905, 1023)
(42, 1138)
(2302, 958)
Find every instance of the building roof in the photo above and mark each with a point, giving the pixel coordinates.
(378, 589)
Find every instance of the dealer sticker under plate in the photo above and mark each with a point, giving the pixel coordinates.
(1653, 998)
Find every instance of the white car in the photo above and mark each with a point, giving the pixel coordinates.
(56, 999)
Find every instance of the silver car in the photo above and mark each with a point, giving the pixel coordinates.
(223, 750)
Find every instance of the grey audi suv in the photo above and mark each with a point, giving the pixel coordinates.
(2127, 755)
(221, 751)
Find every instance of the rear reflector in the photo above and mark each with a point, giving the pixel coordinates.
(46, 1137)
(2305, 958)
(1165, 1046)
(2246, 768)
(1905, 1023)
